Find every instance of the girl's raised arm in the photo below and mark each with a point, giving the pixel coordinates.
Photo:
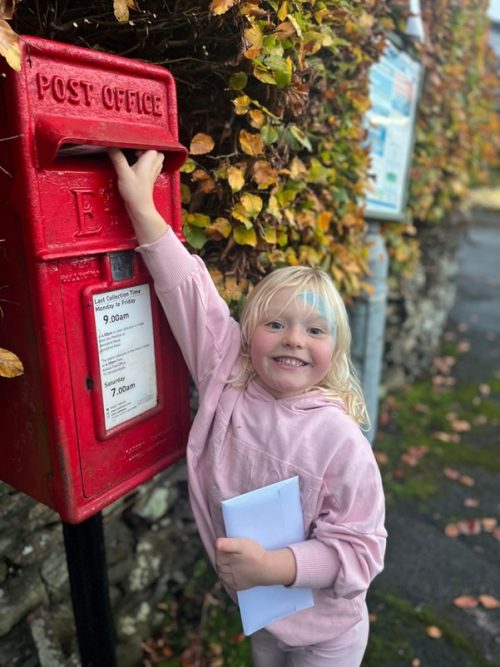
(135, 184)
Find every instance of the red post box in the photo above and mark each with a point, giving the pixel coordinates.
(103, 402)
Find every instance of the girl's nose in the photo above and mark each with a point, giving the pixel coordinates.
(293, 337)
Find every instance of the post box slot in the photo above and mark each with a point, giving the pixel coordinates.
(59, 136)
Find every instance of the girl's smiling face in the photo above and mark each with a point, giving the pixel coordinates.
(291, 349)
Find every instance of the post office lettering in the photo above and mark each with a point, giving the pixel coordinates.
(77, 92)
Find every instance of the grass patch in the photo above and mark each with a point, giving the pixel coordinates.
(202, 625)
(456, 426)
(399, 633)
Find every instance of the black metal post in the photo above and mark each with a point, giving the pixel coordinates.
(88, 576)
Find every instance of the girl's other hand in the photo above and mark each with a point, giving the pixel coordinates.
(243, 563)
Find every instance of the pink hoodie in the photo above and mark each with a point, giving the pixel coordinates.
(241, 440)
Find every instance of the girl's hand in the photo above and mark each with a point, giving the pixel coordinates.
(135, 184)
(243, 563)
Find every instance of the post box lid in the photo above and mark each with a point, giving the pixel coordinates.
(55, 132)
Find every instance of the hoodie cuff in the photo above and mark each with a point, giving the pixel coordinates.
(317, 564)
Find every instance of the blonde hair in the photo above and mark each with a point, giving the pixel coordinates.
(341, 382)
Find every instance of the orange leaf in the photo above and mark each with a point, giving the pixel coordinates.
(434, 632)
(9, 46)
(465, 602)
(466, 480)
(251, 144)
(469, 527)
(489, 524)
(489, 602)
(201, 144)
(451, 473)
(218, 7)
(10, 364)
(451, 530)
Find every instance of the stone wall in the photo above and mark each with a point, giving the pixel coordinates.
(151, 540)
(418, 308)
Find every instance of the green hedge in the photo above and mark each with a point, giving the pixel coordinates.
(271, 99)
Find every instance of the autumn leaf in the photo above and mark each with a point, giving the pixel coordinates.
(451, 473)
(471, 502)
(466, 480)
(219, 7)
(10, 364)
(253, 39)
(264, 174)
(201, 143)
(9, 46)
(251, 144)
(434, 632)
(121, 8)
(247, 208)
(241, 105)
(489, 524)
(236, 178)
(244, 236)
(465, 602)
(489, 602)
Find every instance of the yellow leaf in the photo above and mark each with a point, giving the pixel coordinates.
(236, 178)
(269, 234)
(264, 175)
(273, 207)
(9, 46)
(121, 8)
(298, 170)
(218, 7)
(223, 226)
(201, 144)
(251, 144)
(10, 364)
(291, 257)
(241, 105)
(252, 204)
(253, 39)
(283, 11)
(323, 221)
(244, 236)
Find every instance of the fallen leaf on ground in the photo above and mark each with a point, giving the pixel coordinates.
(443, 436)
(420, 408)
(460, 425)
(413, 455)
(480, 420)
(469, 526)
(444, 364)
(451, 473)
(465, 602)
(471, 502)
(373, 618)
(434, 632)
(485, 389)
(466, 480)
(489, 602)
(496, 533)
(416, 662)
(451, 530)
(489, 524)
(462, 326)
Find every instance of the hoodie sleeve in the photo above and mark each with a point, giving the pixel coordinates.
(198, 316)
(347, 544)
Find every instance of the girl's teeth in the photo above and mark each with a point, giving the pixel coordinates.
(289, 362)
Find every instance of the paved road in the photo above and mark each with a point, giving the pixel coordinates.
(424, 566)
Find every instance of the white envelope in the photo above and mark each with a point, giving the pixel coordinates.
(272, 516)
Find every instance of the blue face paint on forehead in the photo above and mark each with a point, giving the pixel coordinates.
(318, 303)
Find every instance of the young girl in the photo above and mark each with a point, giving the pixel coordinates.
(277, 398)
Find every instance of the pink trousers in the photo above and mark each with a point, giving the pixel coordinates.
(344, 651)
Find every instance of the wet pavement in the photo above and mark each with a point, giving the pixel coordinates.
(425, 568)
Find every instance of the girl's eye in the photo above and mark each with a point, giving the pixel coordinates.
(316, 331)
(275, 326)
